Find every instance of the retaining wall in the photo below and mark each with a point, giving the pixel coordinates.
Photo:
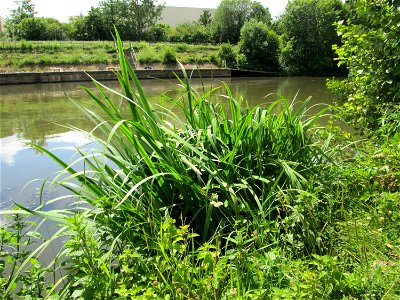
(52, 77)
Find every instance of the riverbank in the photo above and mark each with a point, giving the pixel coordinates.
(45, 56)
(232, 202)
(74, 76)
(103, 75)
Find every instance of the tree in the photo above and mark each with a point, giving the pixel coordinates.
(131, 17)
(42, 29)
(227, 56)
(231, 16)
(260, 13)
(25, 9)
(260, 46)
(77, 28)
(96, 26)
(370, 49)
(31, 29)
(55, 30)
(192, 32)
(158, 33)
(308, 36)
(205, 18)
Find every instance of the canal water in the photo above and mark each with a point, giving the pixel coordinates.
(43, 115)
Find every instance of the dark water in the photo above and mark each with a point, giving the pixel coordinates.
(42, 114)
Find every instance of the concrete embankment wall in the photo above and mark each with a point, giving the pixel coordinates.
(53, 77)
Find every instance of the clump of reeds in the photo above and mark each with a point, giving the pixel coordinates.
(211, 168)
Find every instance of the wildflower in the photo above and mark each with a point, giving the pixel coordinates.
(216, 204)
(233, 292)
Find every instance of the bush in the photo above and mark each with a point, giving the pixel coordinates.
(226, 54)
(370, 49)
(192, 32)
(158, 33)
(308, 35)
(260, 46)
(168, 56)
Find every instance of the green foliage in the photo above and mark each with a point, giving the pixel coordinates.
(174, 170)
(158, 33)
(149, 55)
(370, 49)
(55, 30)
(308, 36)
(169, 56)
(77, 28)
(23, 56)
(31, 29)
(87, 261)
(260, 46)
(132, 18)
(230, 202)
(192, 32)
(21, 273)
(205, 18)
(42, 29)
(24, 10)
(260, 13)
(227, 55)
(231, 15)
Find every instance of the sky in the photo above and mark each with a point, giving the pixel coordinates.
(62, 9)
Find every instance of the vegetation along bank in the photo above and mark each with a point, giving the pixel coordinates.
(231, 201)
(253, 40)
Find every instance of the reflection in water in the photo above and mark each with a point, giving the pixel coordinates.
(23, 170)
(36, 111)
(10, 145)
(42, 114)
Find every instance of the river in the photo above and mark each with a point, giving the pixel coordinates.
(42, 114)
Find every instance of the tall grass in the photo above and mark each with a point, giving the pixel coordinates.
(212, 169)
(29, 53)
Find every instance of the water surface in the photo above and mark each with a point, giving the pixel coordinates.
(43, 115)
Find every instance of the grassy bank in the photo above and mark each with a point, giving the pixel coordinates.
(232, 202)
(28, 55)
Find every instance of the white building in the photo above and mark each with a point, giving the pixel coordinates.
(173, 15)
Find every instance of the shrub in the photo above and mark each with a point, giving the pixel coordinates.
(308, 35)
(168, 56)
(226, 53)
(158, 33)
(260, 46)
(192, 33)
(370, 49)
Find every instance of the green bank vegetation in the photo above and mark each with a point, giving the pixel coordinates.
(231, 202)
(299, 42)
(17, 55)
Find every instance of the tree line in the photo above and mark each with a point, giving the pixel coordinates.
(299, 42)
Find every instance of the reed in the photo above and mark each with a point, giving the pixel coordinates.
(211, 168)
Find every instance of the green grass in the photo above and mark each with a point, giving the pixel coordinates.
(230, 202)
(15, 55)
